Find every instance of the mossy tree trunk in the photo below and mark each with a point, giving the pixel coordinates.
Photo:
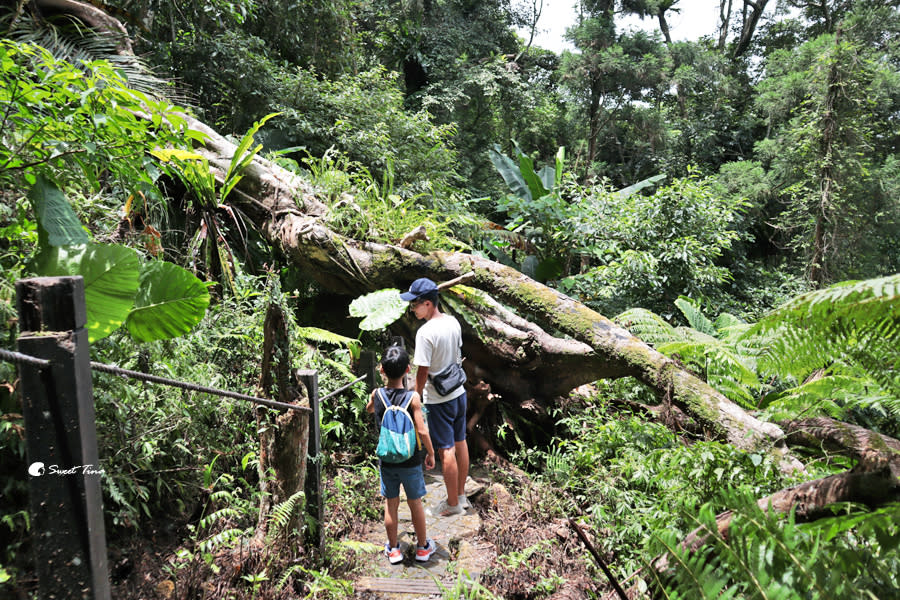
(517, 356)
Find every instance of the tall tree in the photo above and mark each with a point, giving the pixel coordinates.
(832, 103)
(611, 75)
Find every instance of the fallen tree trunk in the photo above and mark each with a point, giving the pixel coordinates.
(872, 450)
(522, 358)
(810, 501)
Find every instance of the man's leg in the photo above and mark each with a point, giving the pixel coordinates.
(461, 446)
(451, 473)
(462, 467)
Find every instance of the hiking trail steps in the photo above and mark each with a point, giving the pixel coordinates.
(460, 557)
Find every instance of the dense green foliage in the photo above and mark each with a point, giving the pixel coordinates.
(683, 179)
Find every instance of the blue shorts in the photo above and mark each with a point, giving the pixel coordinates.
(447, 422)
(412, 479)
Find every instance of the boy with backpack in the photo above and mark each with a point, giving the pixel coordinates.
(398, 414)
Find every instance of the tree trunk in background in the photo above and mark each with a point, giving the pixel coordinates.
(518, 357)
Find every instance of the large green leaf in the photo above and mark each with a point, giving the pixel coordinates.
(111, 276)
(170, 302)
(631, 189)
(55, 215)
(526, 168)
(510, 173)
(380, 309)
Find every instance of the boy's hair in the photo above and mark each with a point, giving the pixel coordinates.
(395, 361)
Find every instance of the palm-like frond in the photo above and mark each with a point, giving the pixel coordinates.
(69, 39)
(647, 325)
(323, 336)
(695, 318)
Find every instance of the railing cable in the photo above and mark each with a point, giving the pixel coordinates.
(18, 357)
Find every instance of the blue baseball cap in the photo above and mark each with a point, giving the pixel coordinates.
(420, 287)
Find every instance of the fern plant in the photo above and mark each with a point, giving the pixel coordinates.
(282, 515)
(842, 347)
(715, 349)
(834, 351)
(771, 556)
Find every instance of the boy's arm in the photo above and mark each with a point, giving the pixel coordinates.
(422, 430)
(370, 405)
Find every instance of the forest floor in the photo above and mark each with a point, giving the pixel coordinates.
(505, 543)
(459, 557)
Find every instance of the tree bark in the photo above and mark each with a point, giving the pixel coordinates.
(873, 450)
(522, 358)
(284, 437)
(751, 13)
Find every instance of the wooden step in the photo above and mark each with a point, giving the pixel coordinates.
(392, 585)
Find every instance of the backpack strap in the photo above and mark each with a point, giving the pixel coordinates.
(380, 392)
(407, 400)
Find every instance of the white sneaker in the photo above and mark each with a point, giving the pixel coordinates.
(395, 555)
(464, 502)
(424, 554)
(445, 510)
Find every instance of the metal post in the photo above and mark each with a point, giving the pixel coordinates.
(65, 500)
(315, 533)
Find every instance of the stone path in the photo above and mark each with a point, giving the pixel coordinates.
(459, 557)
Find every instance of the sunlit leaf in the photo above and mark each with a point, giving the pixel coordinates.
(170, 302)
(111, 277)
(380, 309)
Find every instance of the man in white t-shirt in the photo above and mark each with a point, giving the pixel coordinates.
(439, 344)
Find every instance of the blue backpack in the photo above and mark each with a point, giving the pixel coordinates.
(397, 440)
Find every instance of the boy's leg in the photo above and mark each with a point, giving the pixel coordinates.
(391, 506)
(417, 510)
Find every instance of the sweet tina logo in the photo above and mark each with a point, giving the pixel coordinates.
(36, 469)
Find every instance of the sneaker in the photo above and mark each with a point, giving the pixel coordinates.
(394, 554)
(445, 510)
(424, 553)
(464, 502)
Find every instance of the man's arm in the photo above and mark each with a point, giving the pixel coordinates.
(421, 379)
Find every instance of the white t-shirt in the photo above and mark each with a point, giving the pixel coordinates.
(438, 344)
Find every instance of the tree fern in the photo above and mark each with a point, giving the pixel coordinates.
(770, 556)
(714, 349)
(695, 318)
(849, 334)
